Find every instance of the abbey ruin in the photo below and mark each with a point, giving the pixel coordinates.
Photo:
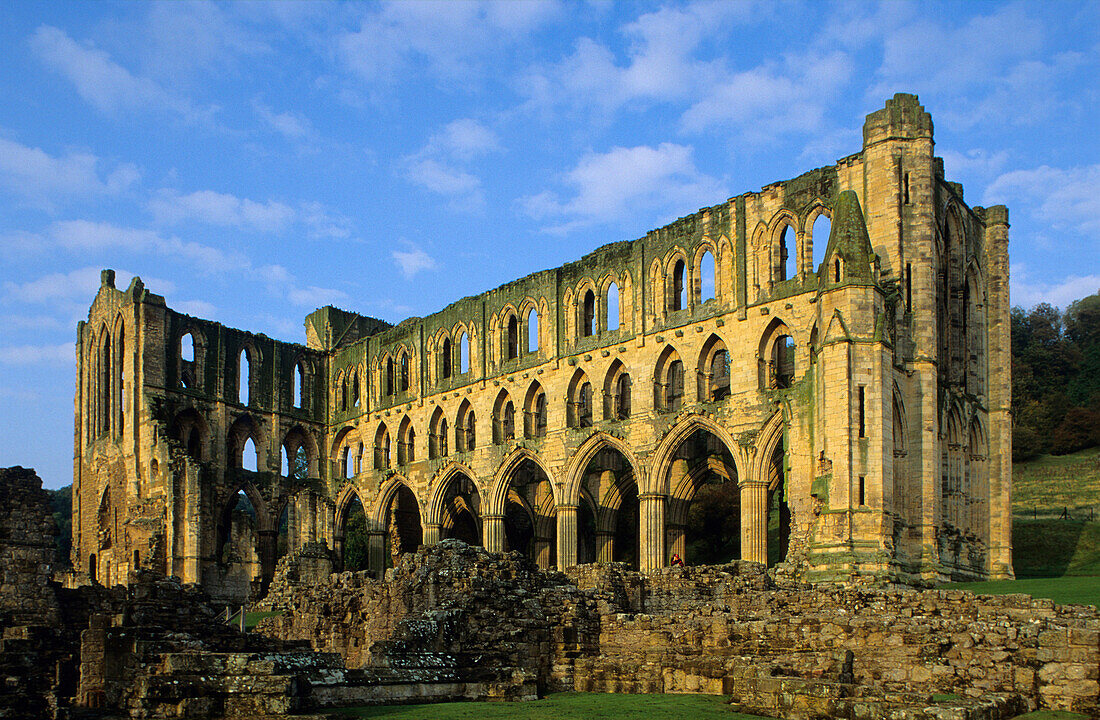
(828, 355)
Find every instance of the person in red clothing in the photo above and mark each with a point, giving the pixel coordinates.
(676, 561)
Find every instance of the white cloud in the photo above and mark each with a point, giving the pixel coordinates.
(76, 284)
(1064, 198)
(1028, 293)
(413, 261)
(660, 63)
(977, 162)
(774, 98)
(436, 165)
(195, 308)
(179, 38)
(314, 297)
(612, 185)
(291, 125)
(63, 354)
(106, 85)
(455, 41)
(222, 209)
(989, 69)
(43, 179)
(91, 235)
(465, 139)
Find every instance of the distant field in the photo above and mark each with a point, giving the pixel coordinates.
(1050, 483)
(1064, 590)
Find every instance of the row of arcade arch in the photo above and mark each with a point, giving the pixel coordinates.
(701, 508)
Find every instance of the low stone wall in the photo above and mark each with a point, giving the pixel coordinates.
(729, 629)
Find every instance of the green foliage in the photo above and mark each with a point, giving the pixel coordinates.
(1056, 378)
(565, 706)
(356, 539)
(61, 506)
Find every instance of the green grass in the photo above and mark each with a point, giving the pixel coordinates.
(252, 618)
(563, 706)
(1051, 715)
(1049, 483)
(1067, 590)
(1053, 548)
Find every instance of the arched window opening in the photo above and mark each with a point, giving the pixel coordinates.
(512, 349)
(783, 361)
(404, 374)
(284, 463)
(437, 435)
(355, 391)
(588, 314)
(360, 459)
(445, 358)
(298, 391)
(720, 375)
(504, 419)
(382, 448)
(238, 539)
(779, 512)
(819, 237)
(509, 421)
(471, 431)
(406, 444)
(391, 386)
(244, 394)
(584, 406)
(120, 382)
(674, 392)
(194, 444)
(707, 277)
(356, 544)
(703, 514)
(612, 307)
(788, 258)
(836, 270)
(533, 331)
(534, 412)
(249, 456)
(188, 375)
(464, 354)
(461, 518)
(622, 397)
(404, 533)
(679, 291)
(346, 469)
(465, 424)
(579, 401)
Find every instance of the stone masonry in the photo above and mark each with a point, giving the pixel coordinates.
(850, 389)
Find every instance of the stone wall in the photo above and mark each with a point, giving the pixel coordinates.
(27, 549)
(779, 649)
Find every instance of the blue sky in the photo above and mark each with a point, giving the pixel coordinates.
(253, 161)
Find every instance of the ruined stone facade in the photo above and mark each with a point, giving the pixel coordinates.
(845, 394)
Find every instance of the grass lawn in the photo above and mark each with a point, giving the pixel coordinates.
(1075, 590)
(563, 706)
(1049, 483)
(593, 706)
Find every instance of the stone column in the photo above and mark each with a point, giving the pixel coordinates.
(605, 546)
(754, 521)
(431, 533)
(567, 536)
(493, 532)
(651, 541)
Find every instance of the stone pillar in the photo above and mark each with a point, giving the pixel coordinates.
(651, 541)
(431, 533)
(376, 552)
(493, 532)
(567, 536)
(605, 546)
(754, 521)
(192, 532)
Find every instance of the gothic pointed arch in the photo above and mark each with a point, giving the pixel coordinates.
(577, 463)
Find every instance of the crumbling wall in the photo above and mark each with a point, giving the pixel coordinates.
(27, 550)
(779, 648)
